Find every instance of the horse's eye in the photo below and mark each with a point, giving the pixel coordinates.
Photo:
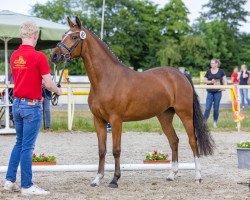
(74, 37)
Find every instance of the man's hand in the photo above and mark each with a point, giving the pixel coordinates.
(59, 91)
(50, 85)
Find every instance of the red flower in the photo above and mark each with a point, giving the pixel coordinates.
(155, 152)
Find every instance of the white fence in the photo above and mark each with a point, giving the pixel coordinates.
(78, 94)
(200, 89)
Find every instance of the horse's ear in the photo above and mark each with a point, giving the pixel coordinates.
(71, 24)
(78, 23)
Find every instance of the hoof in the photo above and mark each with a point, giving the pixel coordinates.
(93, 184)
(113, 185)
(198, 181)
(171, 176)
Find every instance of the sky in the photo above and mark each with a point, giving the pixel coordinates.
(194, 7)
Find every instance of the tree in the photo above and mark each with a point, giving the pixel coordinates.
(229, 13)
(143, 36)
(215, 34)
(244, 52)
(131, 26)
(132, 30)
(174, 20)
(169, 54)
(194, 51)
(174, 27)
(59, 10)
(232, 12)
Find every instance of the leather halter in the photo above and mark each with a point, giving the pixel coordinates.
(68, 56)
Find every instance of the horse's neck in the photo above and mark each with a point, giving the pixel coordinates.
(99, 62)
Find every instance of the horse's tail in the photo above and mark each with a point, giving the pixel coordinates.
(205, 141)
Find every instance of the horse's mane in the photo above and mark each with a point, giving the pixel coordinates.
(105, 47)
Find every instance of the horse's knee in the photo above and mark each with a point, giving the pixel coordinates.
(116, 153)
(102, 153)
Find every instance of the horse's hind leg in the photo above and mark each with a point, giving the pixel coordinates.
(101, 130)
(187, 120)
(166, 120)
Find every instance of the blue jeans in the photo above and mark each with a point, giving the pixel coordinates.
(46, 105)
(27, 120)
(213, 98)
(243, 96)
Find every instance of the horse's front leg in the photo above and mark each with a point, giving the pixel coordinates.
(101, 131)
(116, 125)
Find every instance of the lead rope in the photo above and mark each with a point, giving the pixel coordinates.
(54, 98)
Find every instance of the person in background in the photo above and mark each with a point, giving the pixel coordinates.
(11, 98)
(109, 129)
(214, 76)
(10, 92)
(46, 106)
(29, 67)
(235, 76)
(244, 75)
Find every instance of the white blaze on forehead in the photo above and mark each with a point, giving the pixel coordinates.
(66, 35)
(82, 34)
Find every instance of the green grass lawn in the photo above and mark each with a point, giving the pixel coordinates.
(83, 121)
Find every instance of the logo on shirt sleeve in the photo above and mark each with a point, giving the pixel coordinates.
(20, 62)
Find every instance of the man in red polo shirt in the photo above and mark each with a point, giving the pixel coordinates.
(29, 68)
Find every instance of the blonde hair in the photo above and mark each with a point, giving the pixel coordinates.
(27, 29)
(217, 61)
(244, 65)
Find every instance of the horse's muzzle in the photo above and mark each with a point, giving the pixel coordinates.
(56, 56)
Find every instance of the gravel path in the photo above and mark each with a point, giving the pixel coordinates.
(220, 172)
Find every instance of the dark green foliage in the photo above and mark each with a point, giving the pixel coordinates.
(194, 51)
(244, 43)
(222, 33)
(174, 20)
(144, 36)
(229, 11)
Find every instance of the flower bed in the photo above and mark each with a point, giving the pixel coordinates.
(244, 144)
(41, 159)
(156, 157)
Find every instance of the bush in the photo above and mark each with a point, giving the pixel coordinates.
(244, 144)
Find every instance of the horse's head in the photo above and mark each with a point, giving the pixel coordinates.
(71, 44)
